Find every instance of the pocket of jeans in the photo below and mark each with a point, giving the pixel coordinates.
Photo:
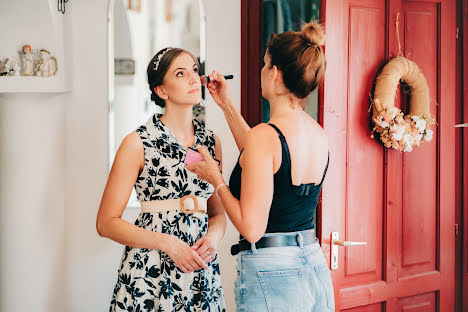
(323, 274)
(283, 290)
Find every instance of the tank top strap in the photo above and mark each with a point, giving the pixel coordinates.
(286, 154)
(326, 168)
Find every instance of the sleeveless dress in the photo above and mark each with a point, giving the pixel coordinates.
(148, 280)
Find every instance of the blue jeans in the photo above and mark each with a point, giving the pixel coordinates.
(283, 279)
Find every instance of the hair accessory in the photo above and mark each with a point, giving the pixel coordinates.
(160, 56)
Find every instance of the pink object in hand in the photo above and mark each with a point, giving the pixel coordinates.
(192, 156)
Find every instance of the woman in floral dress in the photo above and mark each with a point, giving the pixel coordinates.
(170, 261)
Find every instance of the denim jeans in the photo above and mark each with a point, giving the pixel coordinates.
(283, 279)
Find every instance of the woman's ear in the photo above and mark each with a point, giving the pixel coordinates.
(276, 75)
(161, 92)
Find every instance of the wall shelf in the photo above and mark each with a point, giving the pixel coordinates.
(43, 29)
(22, 84)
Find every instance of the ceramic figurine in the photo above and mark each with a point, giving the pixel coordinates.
(28, 61)
(47, 65)
(4, 68)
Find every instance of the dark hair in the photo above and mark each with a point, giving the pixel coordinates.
(156, 77)
(300, 57)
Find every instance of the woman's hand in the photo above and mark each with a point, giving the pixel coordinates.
(206, 247)
(207, 169)
(184, 256)
(219, 89)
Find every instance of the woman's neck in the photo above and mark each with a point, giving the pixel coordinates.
(282, 106)
(179, 121)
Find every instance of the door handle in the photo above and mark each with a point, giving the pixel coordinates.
(461, 125)
(335, 242)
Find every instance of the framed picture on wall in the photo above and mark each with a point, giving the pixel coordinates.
(124, 66)
(134, 5)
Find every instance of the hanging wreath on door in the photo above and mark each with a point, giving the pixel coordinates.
(397, 130)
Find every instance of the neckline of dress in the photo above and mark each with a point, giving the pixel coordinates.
(169, 133)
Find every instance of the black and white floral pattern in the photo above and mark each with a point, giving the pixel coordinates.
(148, 279)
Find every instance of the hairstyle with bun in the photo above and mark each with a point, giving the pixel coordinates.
(300, 58)
(156, 77)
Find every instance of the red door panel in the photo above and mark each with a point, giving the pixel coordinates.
(419, 184)
(419, 303)
(363, 263)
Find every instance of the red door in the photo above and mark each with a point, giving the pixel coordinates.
(401, 204)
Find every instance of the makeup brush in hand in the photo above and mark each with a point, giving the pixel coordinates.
(206, 80)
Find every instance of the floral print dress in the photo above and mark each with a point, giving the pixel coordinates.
(148, 280)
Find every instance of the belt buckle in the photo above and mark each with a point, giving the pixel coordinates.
(195, 203)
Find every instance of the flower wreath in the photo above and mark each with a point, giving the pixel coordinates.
(396, 130)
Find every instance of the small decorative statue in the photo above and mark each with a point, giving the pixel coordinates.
(47, 65)
(9, 68)
(16, 70)
(28, 61)
(5, 68)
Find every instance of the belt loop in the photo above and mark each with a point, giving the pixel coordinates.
(300, 240)
(253, 248)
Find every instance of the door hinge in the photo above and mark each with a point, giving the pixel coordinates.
(456, 230)
(458, 32)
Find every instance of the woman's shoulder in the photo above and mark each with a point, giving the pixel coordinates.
(133, 142)
(262, 134)
(261, 130)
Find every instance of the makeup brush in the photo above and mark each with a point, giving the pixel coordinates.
(206, 80)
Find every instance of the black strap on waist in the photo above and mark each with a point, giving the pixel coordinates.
(276, 241)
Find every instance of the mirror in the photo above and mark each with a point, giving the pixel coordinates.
(138, 29)
(285, 15)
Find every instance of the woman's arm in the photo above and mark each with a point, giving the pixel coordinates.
(216, 216)
(237, 124)
(206, 247)
(250, 214)
(219, 90)
(109, 223)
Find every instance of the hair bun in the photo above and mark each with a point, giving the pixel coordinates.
(313, 33)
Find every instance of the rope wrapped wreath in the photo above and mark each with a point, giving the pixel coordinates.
(397, 130)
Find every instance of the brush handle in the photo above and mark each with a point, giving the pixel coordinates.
(208, 79)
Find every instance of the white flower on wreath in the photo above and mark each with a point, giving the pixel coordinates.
(420, 123)
(408, 139)
(382, 123)
(397, 132)
(394, 111)
(418, 138)
(428, 135)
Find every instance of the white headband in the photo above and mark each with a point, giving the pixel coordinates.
(160, 56)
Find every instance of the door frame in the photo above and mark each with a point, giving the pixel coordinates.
(251, 55)
(461, 292)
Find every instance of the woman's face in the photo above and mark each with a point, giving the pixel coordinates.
(182, 84)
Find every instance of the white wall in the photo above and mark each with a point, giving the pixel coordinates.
(32, 166)
(223, 54)
(32, 202)
(54, 166)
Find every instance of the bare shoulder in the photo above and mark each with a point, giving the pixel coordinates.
(132, 142)
(261, 134)
(131, 150)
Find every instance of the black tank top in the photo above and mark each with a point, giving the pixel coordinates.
(293, 206)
